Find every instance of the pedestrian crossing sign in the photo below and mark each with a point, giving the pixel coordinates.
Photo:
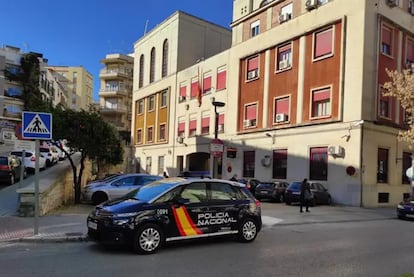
(37, 125)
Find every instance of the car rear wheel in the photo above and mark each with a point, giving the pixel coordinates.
(99, 197)
(288, 202)
(329, 202)
(248, 230)
(148, 239)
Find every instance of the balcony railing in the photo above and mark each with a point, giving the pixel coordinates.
(105, 73)
(115, 108)
(114, 91)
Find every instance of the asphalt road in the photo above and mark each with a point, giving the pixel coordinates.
(360, 248)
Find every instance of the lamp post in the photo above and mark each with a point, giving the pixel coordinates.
(216, 124)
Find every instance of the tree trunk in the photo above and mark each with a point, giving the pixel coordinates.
(78, 183)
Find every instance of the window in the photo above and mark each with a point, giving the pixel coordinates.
(206, 84)
(192, 128)
(255, 28)
(160, 165)
(150, 134)
(279, 164)
(164, 70)
(221, 79)
(386, 40)
(140, 106)
(195, 192)
(321, 102)
(250, 116)
(384, 109)
(162, 132)
(181, 129)
(252, 68)
(409, 57)
(286, 13)
(141, 71)
(284, 57)
(281, 112)
(406, 164)
(222, 192)
(152, 65)
(323, 43)
(148, 165)
(195, 88)
(139, 136)
(382, 165)
(163, 99)
(183, 93)
(248, 163)
(151, 104)
(318, 163)
(221, 123)
(205, 125)
(383, 197)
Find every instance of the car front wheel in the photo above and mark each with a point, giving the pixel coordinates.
(99, 197)
(248, 230)
(148, 239)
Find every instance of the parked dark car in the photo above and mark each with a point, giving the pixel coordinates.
(271, 190)
(406, 209)
(320, 193)
(251, 184)
(10, 167)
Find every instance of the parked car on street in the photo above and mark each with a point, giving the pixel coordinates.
(51, 158)
(30, 159)
(10, 169)
(116, 187)
(271, 190)
(251, 184)
(320, 193)
(405, 209)
(176, 209)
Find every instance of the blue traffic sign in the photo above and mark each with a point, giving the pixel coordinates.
(37, 125)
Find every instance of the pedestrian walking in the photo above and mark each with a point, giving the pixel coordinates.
(305, 195)
(234, 178)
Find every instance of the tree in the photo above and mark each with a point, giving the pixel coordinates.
(89, 134)
(401, 86)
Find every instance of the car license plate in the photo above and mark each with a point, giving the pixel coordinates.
(410, 215)
(264, 191)
(92, 225)
(296, 193)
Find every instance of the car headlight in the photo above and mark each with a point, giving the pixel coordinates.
(400, 206)
(126, 214)
(123, 218)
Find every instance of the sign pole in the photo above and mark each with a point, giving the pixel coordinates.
(36, 200)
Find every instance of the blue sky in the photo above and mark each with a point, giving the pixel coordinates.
(82, 32)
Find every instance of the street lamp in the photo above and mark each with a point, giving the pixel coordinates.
(216, 124)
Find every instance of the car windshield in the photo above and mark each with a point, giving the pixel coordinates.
(151, 190)
(266, 185)
(295, 185)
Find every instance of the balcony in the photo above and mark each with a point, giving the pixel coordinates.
(114, 73)
(114, 92)
(113, 108)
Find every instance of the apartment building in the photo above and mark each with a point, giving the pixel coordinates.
(169, 61)
(115, 93)
(302, 99)
(79, 84)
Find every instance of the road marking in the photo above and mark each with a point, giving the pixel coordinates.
(270, 221)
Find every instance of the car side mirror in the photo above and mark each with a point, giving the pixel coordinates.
(181, 201)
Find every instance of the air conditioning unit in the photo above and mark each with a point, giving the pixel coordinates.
(392, 3)
(180, 140)
(252, 74)
(248, 123)
(281, 117)
(312, 4)
(181, 98)
(283, 64)
(336, 150)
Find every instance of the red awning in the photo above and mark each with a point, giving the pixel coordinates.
(253, 63)
(205, 122)
(321, 95)
(251, 112)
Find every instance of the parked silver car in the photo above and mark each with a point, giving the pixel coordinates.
(116, 187)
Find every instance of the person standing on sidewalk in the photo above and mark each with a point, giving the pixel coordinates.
(305, 195)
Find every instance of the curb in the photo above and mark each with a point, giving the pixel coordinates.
(57, 238)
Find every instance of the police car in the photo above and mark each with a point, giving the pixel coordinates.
(174, 209)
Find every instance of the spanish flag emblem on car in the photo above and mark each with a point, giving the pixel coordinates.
(185, 224)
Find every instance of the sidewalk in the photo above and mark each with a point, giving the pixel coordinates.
(69, 223)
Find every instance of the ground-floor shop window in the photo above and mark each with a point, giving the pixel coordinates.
(248, 164)
(382, 166)
(279, 164)
(318, 163)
